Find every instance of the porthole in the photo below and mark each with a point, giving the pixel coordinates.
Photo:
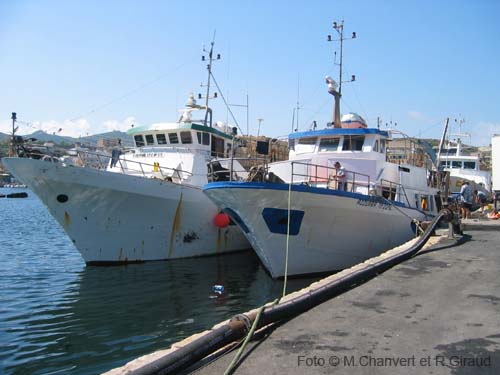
(62, 198)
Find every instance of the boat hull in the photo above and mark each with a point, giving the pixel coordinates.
(117, 218)
(329, 229)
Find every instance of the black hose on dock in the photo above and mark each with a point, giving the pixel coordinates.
(198, 349)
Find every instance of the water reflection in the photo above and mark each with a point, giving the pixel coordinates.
(106, 316)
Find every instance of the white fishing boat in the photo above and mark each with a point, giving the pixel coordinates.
(322, 217)
(144, 204)
(462, 166)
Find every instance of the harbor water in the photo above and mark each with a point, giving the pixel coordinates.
(58, 316)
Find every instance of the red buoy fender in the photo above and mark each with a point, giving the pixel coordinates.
(221, 220)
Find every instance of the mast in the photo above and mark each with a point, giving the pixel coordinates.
(460, 121)
(13, 151)
(441, 144)
(332, 85)
(209, 69)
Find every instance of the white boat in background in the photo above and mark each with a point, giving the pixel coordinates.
(145, 204)
(463, 167)
(331, 218)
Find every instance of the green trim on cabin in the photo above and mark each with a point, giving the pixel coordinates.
(193, 126)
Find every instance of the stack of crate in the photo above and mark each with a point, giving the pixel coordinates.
(278, 149)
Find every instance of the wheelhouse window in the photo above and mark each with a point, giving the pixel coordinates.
(382, 146)
(217, 146)
(308, 141)
(353, 143)
(456, 164)
(139, 140)
(375, 147)
(445, 164)
(173, 138)
(161, 139)
(206, 139)
(305, 145)
(469, 165)
(203, 138)
(149, 139)
(186, 137)
(329, 144)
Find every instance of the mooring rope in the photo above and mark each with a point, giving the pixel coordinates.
(237, 357)
(413, 219)
(287, 237)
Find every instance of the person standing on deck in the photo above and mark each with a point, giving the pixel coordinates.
(465, 200)
(339, 176)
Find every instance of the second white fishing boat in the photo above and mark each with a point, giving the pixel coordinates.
(339, 201)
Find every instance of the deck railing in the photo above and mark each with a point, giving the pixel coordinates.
(393, 191)
(330, 177)
(91, 159)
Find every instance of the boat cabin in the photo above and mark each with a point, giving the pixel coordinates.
(195, 137)
(177, 151)
(365, 143)
(464, 162)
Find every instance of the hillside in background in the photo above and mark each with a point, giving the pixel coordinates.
(42, 136)
(126, 139)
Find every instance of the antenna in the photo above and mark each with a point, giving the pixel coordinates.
(339, 28)
(460, 121)
(298, 99)
(260, 121)
(209, 68)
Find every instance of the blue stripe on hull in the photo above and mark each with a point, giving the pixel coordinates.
(301, 188)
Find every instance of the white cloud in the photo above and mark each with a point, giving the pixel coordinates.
(76, 128)
(416, 115)
(5, 127)
(124, 125)
(482, 132)
(71, 128)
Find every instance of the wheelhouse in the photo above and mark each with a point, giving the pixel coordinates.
(453, 163)
(192, 136)
(345, 142)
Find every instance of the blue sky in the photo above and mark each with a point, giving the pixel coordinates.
(92, 66)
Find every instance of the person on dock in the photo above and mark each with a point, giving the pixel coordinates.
(465, 200)
(479, 198)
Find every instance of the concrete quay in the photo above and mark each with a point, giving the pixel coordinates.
(437, 313)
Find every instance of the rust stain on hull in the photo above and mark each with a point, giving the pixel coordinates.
(226, 238)
(176, 224)
(217, 248)
(67, 219)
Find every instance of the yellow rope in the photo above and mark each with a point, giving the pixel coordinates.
(237, 357)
